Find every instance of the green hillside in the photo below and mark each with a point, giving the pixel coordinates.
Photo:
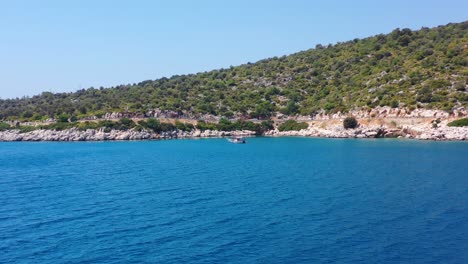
(416, 69)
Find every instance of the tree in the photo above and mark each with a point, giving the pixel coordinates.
(152, 124)
(350, 122)
(425, 95)
(126, 122)
(263, 110)
(27, 114)
(225, 125)
(63, 118)
(267, 125)
(290, 109)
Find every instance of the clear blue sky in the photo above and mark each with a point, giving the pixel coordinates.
(66, 45)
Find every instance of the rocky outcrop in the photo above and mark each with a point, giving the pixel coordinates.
(335, 133)
(75, 134)
(388, 112)
(442, 133)
(439, 133)
(157, 113)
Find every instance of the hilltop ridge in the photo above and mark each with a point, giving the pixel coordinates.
(408, 69)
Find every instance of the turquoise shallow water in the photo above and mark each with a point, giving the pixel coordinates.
(273, 200)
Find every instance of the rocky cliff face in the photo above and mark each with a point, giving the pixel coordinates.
(388, 112)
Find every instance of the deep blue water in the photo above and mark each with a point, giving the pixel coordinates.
(273, 200)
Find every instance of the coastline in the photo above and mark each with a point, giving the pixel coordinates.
(380, 122)
(74, 134)
(443, 133)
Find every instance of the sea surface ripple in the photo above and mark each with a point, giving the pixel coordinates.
(272, 200)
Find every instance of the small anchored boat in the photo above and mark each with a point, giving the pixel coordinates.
(237, 140)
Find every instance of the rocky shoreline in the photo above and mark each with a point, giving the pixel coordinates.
(439, 134)
(74, 134)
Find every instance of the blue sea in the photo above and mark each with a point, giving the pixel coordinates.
(272, 200)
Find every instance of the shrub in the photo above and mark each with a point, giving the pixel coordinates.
(350, 122)
(459, 86)
(106, 124)
(25, 129)
(189, 127)
(4, 126)
(292, 125)
(166, 127)
(246, 125)
(87, 125)
(125, 123)
(58, 126)
(63, 118)
(225, 125)
(183, 126)
(152, 124)
(267, 125)
(459, 123)
(37, 117)
(27, 114)
(202, 125)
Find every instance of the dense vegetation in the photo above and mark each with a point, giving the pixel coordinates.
(459, 123)
(290, 125)
(350, 122)
(416, 69)
(4, 126)
(150, 124)
(227, 125)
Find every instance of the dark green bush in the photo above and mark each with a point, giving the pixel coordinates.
(152, 124)
(59, 126)
(459, 123)
(226, 125)
(106, 123)
(87, 125)
(25, 129)
(125, 124)
(350, 122)
(37, 117)
(4, 126)
(292, 125)
(166, 127)
(202, 125)
(63, 118)
(246, 125)
(267, 125)
(183, 126)
(189, 127)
